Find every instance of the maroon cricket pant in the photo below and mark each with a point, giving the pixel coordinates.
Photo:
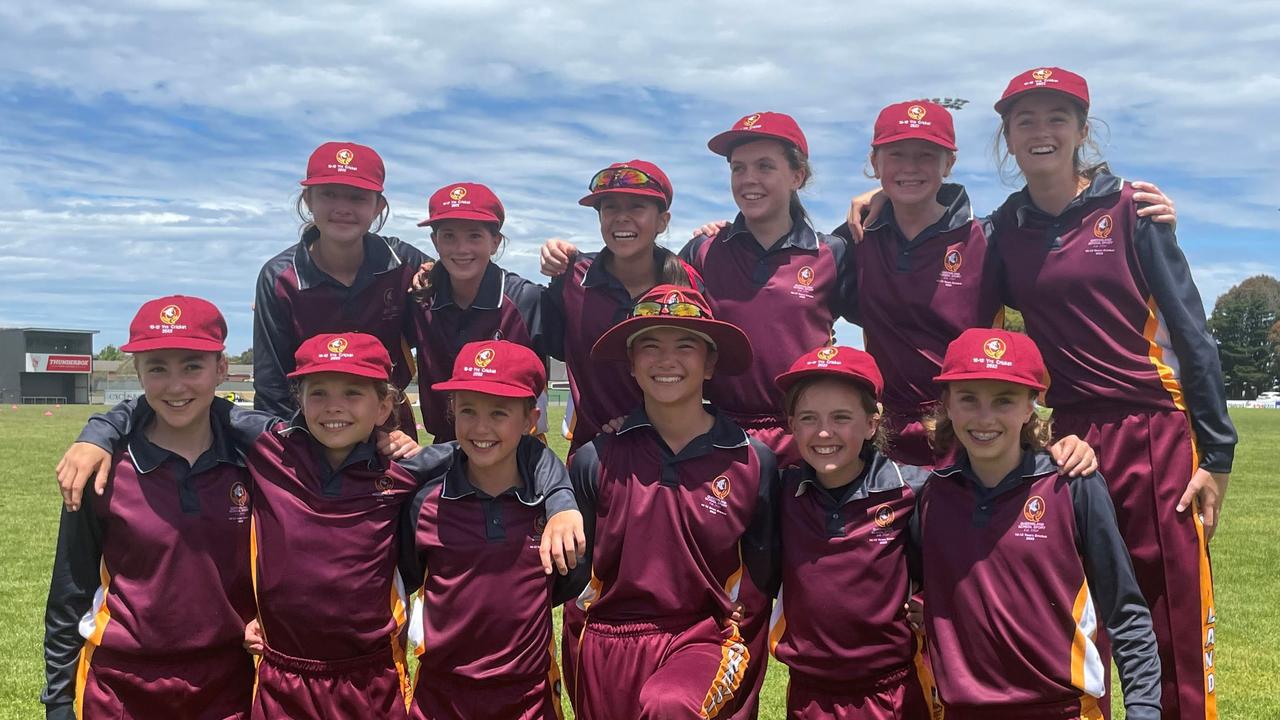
(895, 696)
(440, 696)
(213, 685)
(372, 686)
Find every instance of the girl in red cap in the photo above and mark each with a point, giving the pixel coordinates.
(1109, 298)
(679, 511)
(471, 297)
(1019, 565)
(340, 277)
(171, 533)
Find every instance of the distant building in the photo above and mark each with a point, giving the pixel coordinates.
(45, 365)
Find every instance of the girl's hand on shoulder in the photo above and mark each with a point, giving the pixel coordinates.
(1161, 209)
(613, 425)
(81, 461)
(863, 210)
(1075, 457)
(711, 229)
(563, 542)
(396, 445)
(555, 256)
(254, 642)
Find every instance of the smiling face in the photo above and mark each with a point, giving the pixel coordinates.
(831, 423)
(763, 180)
(180, 384)
(343, 213)
(670, 364)
(489, 427)
(630, 224)
(465, 246)
(911, 171)
(1043, 130)
(342, 411)
(987, 416)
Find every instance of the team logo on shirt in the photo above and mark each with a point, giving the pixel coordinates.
(916, 112)
(805, 276)
(383, 484)
(1102, 228)
(826, 353)
(170, 314)
(484, 357)
(539, 524)
(884, 516)
(345, 156)
(750, 121)
(994, 348)
(458, 193)
(337, 345)
(720, 487)
(239, 495)
(1033, 509)
(1041, 75)
(952, 261)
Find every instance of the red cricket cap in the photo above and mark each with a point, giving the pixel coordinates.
(989, 354)
(345, 163)
(836, 362)
(663, 192)
(732, 347)
(177, 322)
(758, 126)
(351, 353)
(464, 201)
(497, 367)
(1045, 78)
(915, 119)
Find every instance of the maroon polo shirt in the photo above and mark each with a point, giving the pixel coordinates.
(1016, 579)
(486, 601)
(167, 548)
(674, 535)
(296, 300)
(1109, 299)
(785, 298)
(839, 616)
(507, 307)
(913, 296)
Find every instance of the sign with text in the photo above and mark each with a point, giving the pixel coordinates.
(47, 363)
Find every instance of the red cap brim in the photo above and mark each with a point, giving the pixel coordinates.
(351, 180)
(913, 135)
(593, 198)
(173, 343)
(477, 215)
(733, 349)
(788, 379)
(344, 368)
(1003, 103)
(725, 142)
(487, 387)
(989, 375)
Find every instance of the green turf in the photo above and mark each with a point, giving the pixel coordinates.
(1246, 556)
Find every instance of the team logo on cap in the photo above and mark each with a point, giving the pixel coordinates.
(1033, 510)
(916, 112)
(239, 494)
(673, 297)
(884, 516)
(1103, 227)
(805, 276)
(994, 348)
(458, 193)
(827, 353)
(484, 357)
(952, 261)
(720, 487)
(1042, 74)
(750, 121)
(345, 156)
(337, 345)
(169, 314)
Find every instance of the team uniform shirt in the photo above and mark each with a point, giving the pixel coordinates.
(507, 307)
(166, 543)
(486, 601)
(785, 299)
(582, 305)
(838, 616)
(296, 300)
(1016, 579)
(675, 534)
(913, 296)
(1109, 299)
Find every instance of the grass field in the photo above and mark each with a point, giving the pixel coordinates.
(1246, 560)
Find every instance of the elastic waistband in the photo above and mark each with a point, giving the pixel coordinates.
(639, 628)
(855, 686)
(748, 421)
(307, 666)
(1066, 710)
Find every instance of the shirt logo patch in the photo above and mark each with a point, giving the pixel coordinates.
(1033, 510)
(716, 502)
(239, 509)
(390, 308)
(170, 314)
(458, 193)
(826, 353)
(345, 156)
(916, 112)
(1031, 529)
(805, 276)
(535, 538)
(484, 357)
(720, 487)
(994, 348)
(383, 484)
(884, 516)
(952, 260)
(1102, 228)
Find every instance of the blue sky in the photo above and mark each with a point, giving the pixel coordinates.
(155, 148)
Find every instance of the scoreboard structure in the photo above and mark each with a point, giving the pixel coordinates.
(45, 365)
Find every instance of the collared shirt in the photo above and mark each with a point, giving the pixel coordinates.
(785, 298)
(296, 300)
(1016, 578)
(486, 601)
(507, 307)
(706, 515)
(164, 535)
(844, 572)
(1110, 301)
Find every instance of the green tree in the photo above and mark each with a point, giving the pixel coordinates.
(244, 358)
(1013, 321)
(111, 352)
(1243, 322)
